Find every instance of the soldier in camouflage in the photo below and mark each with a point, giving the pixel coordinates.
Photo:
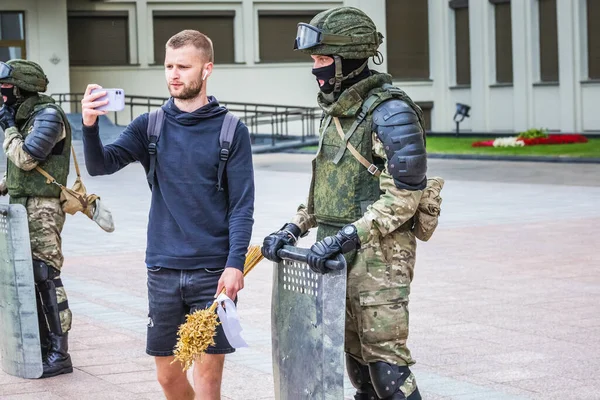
(37, 133)
(367, 183)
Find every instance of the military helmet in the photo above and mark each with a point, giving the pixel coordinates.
(24, 74)
(344, 31)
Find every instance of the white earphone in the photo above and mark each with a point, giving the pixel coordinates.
(204, 76)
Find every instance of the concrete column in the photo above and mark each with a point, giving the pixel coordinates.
(569, 64)
(250, 41)
(144, 39)
(439, 68)
(522, 61)
(47, 42)
(480, 13)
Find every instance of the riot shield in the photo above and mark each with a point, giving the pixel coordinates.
(19, 333)
(308, 315)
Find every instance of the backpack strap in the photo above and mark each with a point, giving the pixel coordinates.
(225, 139)
(360, 117)
(155, 123)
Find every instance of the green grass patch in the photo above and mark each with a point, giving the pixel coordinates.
(451, 145)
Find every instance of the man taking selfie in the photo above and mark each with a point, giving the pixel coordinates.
(200, 218)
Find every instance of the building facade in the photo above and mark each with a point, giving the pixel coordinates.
(518, 64)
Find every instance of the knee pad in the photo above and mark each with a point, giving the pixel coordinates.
(387, 380)
(358, 373)
(42, 272)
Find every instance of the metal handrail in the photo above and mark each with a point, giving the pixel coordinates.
(255, 115)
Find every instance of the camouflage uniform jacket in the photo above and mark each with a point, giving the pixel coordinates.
(22, 179)
(379, 211)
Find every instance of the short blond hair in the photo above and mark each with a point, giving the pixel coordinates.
(197, 39)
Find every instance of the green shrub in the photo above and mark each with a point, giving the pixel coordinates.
(533, 133)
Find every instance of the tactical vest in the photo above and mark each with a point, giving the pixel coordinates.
(23, 184)
(341, 192)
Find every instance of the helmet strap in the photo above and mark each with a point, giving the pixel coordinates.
(339, 76)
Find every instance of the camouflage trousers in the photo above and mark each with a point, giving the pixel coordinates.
(46, 220)
(378, 287)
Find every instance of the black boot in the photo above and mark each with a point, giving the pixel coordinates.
(58, 360)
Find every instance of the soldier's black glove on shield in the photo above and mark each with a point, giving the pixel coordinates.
(344, 241)
(287, 235)
(7, 117)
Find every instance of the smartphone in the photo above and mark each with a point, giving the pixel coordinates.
(115, 97)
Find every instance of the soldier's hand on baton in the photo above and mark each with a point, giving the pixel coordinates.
(287, 235)
(344, 241)
(89, 103)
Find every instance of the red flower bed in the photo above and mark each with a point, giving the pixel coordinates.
(486, 143)
(556, 139)
(551, 139)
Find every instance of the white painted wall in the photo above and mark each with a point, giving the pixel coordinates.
(571, 106)
(590, 100)
(546, 108)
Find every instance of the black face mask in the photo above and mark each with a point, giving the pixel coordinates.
(11, 98)
(348, 66)
(325, 74)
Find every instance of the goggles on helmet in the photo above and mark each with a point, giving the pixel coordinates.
(5, 70)
(309, 36)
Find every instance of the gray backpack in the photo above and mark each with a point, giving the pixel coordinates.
(155, 123)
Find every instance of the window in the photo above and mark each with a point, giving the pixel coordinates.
(407, 39)
(217, 25)
(98, 38)
(12, 35)
(502, 19)
(548, 41)
(593, 38)
(462, 41)
(276, 32)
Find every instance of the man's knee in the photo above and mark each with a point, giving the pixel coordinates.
(169, 375)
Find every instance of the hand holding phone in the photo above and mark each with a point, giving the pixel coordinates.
(98, 101)
(115, 97)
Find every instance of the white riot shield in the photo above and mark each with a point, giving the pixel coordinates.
(308, 316)
(20, 353)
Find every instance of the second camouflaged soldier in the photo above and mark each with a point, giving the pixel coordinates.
(368, 181)
(37, 133)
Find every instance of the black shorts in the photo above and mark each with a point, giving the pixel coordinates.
(172, 294)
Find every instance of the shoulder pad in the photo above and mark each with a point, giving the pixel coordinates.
(50, 114)
(47, 128)
(400, 131)
(394, 112)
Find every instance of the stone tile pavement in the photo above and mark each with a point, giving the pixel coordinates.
(504, 303)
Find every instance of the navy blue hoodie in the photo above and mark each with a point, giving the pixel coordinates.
(191, 224)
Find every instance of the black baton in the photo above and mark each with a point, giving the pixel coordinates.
(299, 254)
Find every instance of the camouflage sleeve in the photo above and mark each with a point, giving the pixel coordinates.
(13, 147)
(303, 219)
(394, 207)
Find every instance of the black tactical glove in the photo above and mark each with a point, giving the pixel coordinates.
(287, 235)
(344, 241)
(7, 117)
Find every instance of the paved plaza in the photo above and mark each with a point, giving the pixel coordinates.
(505, 303)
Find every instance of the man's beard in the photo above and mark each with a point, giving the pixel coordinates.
(189, 92)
